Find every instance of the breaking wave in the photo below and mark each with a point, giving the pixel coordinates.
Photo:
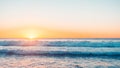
(61, 51)
(63, 43)
(58, 47)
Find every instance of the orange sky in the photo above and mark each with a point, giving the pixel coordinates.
(60, 18)
(24, 32)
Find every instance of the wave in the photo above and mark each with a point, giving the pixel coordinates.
(62, 43)
(83, 44)
(66, 47)
(61, 52)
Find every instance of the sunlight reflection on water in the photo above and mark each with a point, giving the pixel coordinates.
(52, 62)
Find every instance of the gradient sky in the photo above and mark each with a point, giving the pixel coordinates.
(60, 18)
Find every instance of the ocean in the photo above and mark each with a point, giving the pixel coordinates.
(60, 53)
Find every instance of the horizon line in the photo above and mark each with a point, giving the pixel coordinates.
(61, 38)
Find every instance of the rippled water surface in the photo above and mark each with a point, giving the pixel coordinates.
(60, 53)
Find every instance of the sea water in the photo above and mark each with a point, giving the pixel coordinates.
(60, 53)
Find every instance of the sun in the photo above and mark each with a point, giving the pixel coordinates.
(31, 34)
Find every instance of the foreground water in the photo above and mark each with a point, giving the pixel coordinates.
(60, 53)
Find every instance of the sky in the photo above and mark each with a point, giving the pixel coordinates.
(60, 18)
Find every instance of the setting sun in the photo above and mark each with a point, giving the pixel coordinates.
(32, 36)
